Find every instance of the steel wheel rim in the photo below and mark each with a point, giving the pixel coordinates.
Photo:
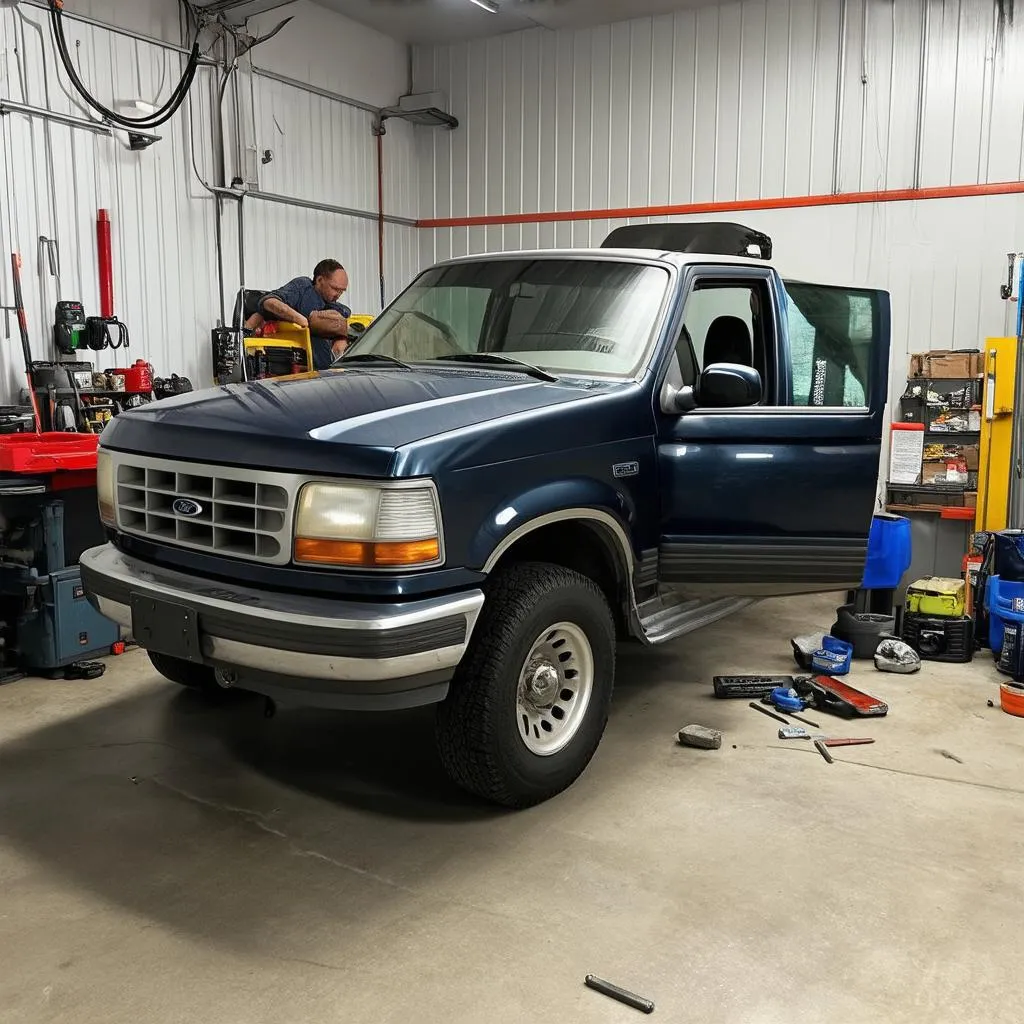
(554, 690)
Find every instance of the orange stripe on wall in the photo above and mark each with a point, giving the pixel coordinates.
(898, 195)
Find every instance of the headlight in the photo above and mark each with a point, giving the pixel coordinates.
(105, 487)
(367, 526)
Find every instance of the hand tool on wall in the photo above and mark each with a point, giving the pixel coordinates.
(26, 347)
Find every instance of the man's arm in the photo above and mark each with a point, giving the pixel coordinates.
(280, 303)
(328, 323)
(280, 310)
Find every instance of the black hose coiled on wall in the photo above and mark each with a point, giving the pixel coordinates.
(154, 120)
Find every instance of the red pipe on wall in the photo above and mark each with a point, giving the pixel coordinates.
(380, 213)
(896, 195)
(106, 264)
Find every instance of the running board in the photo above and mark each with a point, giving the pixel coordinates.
(670, 615)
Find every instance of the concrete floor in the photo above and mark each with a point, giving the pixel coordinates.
(165, 860)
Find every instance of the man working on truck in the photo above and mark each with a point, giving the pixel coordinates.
(313, 303)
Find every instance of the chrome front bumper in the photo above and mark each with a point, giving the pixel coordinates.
(308, 644)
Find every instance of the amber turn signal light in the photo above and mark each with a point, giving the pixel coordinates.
(365, 554)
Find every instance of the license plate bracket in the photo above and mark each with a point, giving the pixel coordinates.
(166, 627)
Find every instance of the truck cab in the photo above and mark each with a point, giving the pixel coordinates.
(527, 458)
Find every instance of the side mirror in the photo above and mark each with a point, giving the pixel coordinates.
(681, 400)
(728, 385)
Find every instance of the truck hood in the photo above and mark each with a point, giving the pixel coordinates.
(343, 422)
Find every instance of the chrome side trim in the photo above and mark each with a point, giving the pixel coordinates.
(592, 514)
(325, 666)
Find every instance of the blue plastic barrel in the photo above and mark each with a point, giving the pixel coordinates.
(888, 552)
(1004, 601)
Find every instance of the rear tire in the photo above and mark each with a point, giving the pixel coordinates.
(529, 701)
(185, 673)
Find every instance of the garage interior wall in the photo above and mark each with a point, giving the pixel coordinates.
(54, 178)
(755, 101)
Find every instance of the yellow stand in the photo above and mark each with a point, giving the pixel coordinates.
(285, 336)
(996, 434)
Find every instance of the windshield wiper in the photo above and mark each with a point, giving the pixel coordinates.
(376, 357)
(495, 359)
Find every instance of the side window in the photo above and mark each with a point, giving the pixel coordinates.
(832, 335)
(729, 320)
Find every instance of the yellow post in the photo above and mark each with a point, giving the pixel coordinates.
(996, 434)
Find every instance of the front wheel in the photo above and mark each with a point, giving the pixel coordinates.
(529, 701)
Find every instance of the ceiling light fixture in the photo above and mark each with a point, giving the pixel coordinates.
(488, 5)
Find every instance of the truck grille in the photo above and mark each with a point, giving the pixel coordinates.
(212, 508)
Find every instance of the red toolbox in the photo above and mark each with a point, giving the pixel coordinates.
(47, 453)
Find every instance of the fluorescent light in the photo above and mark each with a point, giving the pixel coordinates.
(141, 106)
(488, 5)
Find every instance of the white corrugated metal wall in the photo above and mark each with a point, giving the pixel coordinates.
(165, 276)
(751, 100)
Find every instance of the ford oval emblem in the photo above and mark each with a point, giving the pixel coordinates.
(186, 507)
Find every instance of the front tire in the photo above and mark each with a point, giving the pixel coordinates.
(529, 701)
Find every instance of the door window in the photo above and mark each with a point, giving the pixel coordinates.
(728, 320)
(833, 333)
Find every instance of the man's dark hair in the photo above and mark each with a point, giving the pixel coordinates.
(325, 268)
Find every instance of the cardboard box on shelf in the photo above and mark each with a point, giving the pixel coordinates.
(950, 451)
(970, 499)
(944, 364)
(946, 472)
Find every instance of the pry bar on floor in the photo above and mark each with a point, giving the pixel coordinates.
(823, 750)
(770, 714)
(806, 721)
(622, 995)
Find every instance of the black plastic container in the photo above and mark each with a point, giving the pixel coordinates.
(938, 638)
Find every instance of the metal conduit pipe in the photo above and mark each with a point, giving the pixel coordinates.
(921, 85)
(837, 145)
(118, 30)
(313, 204)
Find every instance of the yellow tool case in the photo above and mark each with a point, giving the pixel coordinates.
(283, 351)
(937, 595)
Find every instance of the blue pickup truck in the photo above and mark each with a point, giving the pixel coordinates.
(527, 458)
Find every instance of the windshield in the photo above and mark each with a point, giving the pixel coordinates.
(573, 316)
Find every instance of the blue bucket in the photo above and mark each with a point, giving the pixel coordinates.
(833, 657)
(888, 553)
(1004, 601)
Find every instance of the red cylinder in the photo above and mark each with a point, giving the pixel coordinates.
(106, 264)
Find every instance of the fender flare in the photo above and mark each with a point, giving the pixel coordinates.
(594, 502)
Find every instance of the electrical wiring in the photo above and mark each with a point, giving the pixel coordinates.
(154, 120)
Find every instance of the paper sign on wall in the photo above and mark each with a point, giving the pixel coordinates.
(906, 453)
